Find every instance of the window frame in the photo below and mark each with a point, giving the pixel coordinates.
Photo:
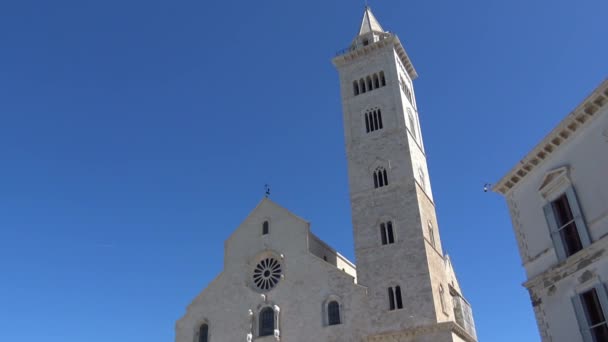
(263, 315)
(266, 227)
(334, 309)
(578, 220)
(582, 315)
(199, 334)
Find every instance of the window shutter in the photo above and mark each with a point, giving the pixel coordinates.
(603, 297)
(581, 318)
(553, 229)
(578, 217)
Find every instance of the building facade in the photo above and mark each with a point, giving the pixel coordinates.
(558, 201)
(280, 281)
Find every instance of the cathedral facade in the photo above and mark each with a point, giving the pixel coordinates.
(281, 282)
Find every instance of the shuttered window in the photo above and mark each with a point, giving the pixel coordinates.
(566, 224)
(591, 309)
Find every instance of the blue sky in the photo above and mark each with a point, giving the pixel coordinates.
(136, 135)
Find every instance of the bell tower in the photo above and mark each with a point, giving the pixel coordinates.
(412, 290)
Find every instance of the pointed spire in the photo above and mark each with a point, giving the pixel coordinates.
(369, 23)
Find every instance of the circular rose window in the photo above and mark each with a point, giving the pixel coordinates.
(267, 274)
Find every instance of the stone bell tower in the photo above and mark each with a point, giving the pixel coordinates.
(412, 290)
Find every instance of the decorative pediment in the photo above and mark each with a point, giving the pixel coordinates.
(554, 182)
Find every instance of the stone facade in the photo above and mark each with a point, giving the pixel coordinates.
(572, 159)
(403, 287)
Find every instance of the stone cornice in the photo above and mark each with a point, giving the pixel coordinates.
(391, 40)
(569, 266)
(564, 132)
(406, 335)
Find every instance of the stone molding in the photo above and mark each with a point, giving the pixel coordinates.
(560, 135)
(573, 264)
(390, 40)
(408, 334)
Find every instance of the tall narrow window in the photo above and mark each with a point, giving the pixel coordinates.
(267, 322)
(368, 125)
(442, 299)
(356, 88)
(413, 125)
(391, 299)
(422, 179)
(431, 234)
(376, 81)
(385, 176)
(382, 78)
(379, 119)
(383, 235)
(568, 229)
(370, 84)
(203, 333)
(362, 85)
(386, 233)
(394, 298)
(389, 232)
(398, 301)
(333, 313)
(265, 228)
(592, 312)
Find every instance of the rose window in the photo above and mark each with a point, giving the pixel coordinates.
(267, 274)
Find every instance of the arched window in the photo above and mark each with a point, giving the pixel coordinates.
(267, 322)
(356, 87)
(203, 333)
(382, 79)
(265, 228)
(413, 125)
(376, 81)
(373, 120)
(380, 177)
(333, 313)
(370, 85)
(394, 298)
(386, 233)
(362, 86)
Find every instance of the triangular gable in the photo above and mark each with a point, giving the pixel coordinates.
(554, 180)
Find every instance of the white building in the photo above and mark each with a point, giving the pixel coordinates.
(282, 282)
(558, 199)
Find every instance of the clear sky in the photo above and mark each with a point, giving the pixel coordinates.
(136, 135)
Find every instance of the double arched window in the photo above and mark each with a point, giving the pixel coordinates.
(203, 333)
(394, 298)
(333, 313)
(386, 233)
(380, 177)
(267, 322)
(373, 120)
